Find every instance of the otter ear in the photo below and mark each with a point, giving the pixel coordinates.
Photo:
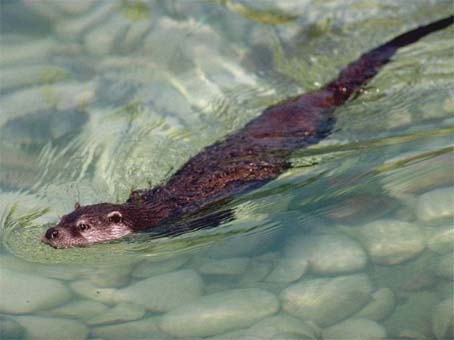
(115, 217)
(76, 206)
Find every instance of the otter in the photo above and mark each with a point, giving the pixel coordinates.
(239, 163)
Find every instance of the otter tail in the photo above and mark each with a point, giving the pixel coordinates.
(367, 66)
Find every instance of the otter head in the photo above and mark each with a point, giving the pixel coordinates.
(89, 224)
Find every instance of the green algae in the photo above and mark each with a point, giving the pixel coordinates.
(134, 10)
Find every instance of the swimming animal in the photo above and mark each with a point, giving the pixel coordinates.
(241, 162)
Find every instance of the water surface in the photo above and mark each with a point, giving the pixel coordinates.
(98, 98)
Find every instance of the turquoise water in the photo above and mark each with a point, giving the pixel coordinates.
(98, 98)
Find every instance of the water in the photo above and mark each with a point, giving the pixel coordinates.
(99, 98)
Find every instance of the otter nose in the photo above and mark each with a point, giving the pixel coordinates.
(51, 233)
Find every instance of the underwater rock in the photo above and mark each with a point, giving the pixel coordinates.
(412, 315)
(256, 271)
(359, 208)
(47, 328)
(24, 293)
(22, 76)
(10, 329)
(443, 319)
(237, 335)
(135, 35)
(391, 242)
(88, 290)
(218, 286)
(60, 97)
(72, 7)
(448, 104)
(288, 270)
(102, 40)
(442, 241)
(420, 280)
(151, 267)
(228, 266)
(164, 292)
(243, 244)
(355, 329)
(445, 267)
(445, 288)
(114, 277)
(42, 9)
(142, 329)
(272, 326)
(436, 204)
(326, 301)
(382, 305)
(33, 50)
(74, 28)
(186, 45)
(53, 271)
(120, 313)
(420, 177)
(81, 309)
(327, 254)
(218, 313)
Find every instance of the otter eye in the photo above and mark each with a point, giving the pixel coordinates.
(114, 217)
(83, 226)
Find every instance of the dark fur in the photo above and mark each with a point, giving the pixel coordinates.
(250, 157)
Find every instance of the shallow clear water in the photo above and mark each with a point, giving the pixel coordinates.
(99, 98)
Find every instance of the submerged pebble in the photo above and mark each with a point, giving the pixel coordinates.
(151, 267)
(355, 329)
(228, 266)
(288, 270)
(382, 304)
(163, 292)
(102, 40)
(243, 245)
(52, 271)
(135, 35)
(73, 7)
(445, 266)
(73, 28)
(15, 77)
(436, 204)
(442, 240)
(120, 313)
(142, 329)
(60, 97)
(443, 319)
(412, 315)
(359, 208)
(256, 271)
(81, 309)
(88, 290)
(220, 312)
(327, 254)
(48, 328)
(115, 277)
(327, 300)
(24, 293)
(34, 50)
(10, 329)
(391, 242)
(271, 327)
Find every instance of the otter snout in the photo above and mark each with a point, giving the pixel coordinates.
(51, 233)
(60, 237)
(51, 236)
